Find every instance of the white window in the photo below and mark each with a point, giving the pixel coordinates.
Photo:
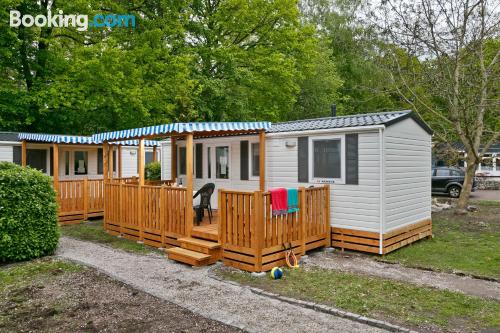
(81, 162)
(222, 162)
(326, 161)
(255, 159)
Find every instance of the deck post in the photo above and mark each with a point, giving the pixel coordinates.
(173, 159)
(140, 156)
(119, 157)
(105, 169)
(85, 198)
(259, 228)
(111, 162)
(154, 154)
(189, 183)
(303, 218)
(120, 206)
(23, 153)
(328, 241)
(105, 161)
(262, 161)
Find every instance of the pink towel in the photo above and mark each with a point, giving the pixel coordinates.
(279, 201)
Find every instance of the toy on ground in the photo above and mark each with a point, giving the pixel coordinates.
(276, 273)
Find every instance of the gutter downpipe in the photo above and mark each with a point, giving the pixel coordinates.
(381, 190)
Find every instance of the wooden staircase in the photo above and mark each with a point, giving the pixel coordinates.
(199, 250)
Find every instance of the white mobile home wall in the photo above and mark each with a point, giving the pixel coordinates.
(394, 167)
(7, 150)
(408, 174)
(352, 206)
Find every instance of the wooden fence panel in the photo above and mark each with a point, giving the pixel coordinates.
(254, 240)
(158, 220)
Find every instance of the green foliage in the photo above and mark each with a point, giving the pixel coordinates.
(184, 61)
(355, 49)
(153, 171)
(28, 214)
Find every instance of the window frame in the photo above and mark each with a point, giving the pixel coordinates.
(229, 166)
(323, 180)
(251, 176)
(86, 154)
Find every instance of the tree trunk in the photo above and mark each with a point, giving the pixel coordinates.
(470, 172)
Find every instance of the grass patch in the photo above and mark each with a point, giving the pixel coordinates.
(94, 232)
(21, 273)
(461, 243)
(398, 302)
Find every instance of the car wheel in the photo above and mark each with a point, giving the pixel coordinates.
(454, 191)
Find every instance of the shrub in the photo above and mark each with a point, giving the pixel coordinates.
(28, 214)
(153, 171)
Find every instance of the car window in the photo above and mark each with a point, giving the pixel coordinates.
(456, 173)
(442, 172)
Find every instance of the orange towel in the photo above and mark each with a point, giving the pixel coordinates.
(279, 201)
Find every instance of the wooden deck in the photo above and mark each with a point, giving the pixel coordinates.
(206, 231)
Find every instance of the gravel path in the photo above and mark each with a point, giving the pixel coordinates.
(358, 264)
(195, 290)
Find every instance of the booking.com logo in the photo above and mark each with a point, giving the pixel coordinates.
(81, 22)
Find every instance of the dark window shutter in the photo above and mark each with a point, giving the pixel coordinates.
(244, 160)
(352, 159)
(100, 161)
(199, 160)
(303, 159)
(16, 154)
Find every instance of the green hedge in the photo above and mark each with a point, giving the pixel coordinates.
(28, 214)
(153, 171)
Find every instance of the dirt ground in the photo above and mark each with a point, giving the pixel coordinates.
(89, 301)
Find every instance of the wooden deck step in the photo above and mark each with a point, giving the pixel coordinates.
(200, 242)
(200, 245)
(208, 232)
(189, 257)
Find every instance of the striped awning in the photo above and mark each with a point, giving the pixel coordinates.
(77, 139)
(147, 143)
(56, 138)
(183, 128)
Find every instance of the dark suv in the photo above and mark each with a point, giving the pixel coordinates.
(449, 180)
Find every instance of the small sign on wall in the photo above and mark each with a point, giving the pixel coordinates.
(325, 181)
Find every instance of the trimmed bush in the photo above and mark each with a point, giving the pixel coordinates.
(28, 214)
(153, 171)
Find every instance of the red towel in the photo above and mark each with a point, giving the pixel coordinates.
(279, 201)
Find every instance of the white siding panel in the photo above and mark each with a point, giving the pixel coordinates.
(166, 172)
(6, 153)
(407, 174)
(129, 161)
(352, 206)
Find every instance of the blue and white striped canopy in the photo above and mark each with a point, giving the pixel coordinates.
(76, 139)
(147, 143)
(56, 138)
(182, 128)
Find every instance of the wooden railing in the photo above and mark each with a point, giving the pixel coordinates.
(254, 240)
(79, 199)
(135, 180)
(154, 215)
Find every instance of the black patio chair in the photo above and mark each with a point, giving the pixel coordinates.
(205, 193)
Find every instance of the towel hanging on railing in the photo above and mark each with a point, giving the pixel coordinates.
(293, 200)
(279, 201)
